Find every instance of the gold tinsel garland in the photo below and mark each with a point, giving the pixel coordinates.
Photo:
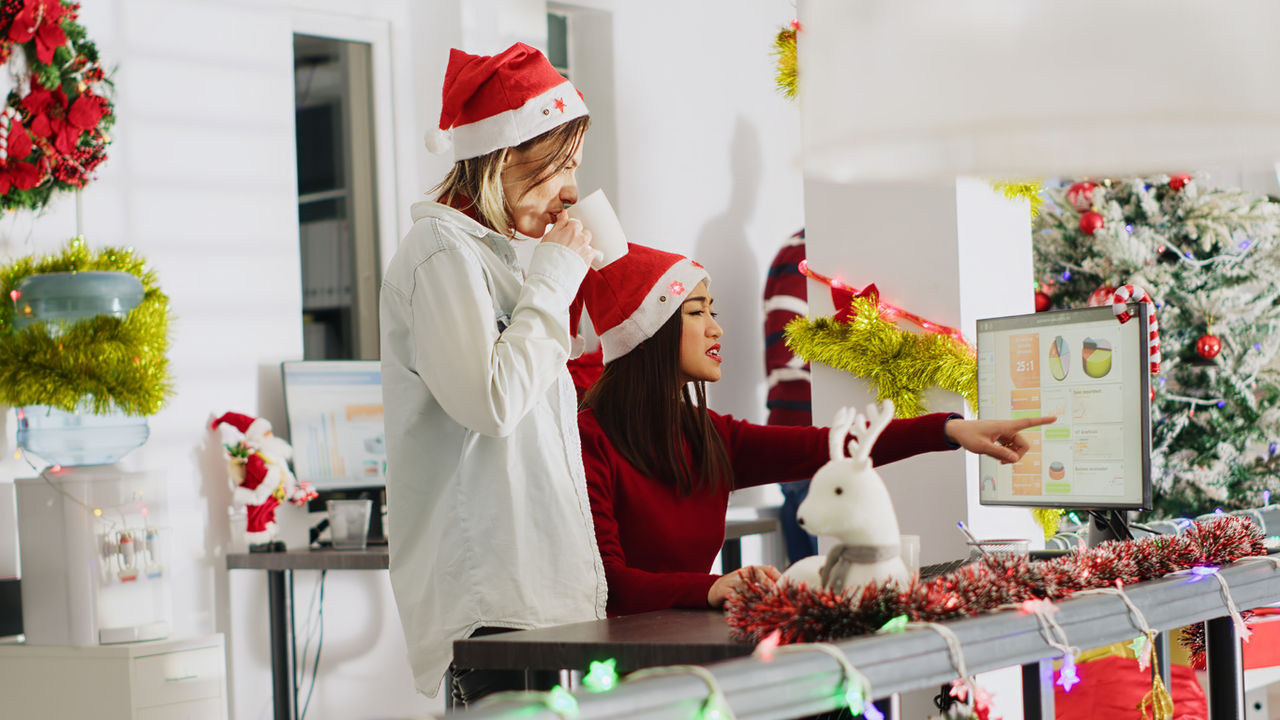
(1027, 190)
(101, 362)
(900, 365)
(784, 49)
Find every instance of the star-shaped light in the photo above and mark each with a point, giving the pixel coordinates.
(560, 104)
(896, 625)
(1067, 676)
(1137, 644)
(602, 677)
(562, 703)
(871, 712)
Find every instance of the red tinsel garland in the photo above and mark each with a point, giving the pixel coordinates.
(802, 614)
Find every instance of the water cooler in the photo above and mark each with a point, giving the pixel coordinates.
(93, 545)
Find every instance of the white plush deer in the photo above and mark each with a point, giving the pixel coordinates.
(848, 501)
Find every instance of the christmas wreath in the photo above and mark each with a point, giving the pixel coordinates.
(110, 362)
(53, 129)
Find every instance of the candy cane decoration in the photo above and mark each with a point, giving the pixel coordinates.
(1120, 305)
(6, 122)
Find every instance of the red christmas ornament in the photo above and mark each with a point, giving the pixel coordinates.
(1090, 222)
(1080, 195)
(1177, 182)
(1043, 302)
(1208, 346)
(1101, 296)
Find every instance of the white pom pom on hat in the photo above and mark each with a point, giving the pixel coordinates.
(438, 141)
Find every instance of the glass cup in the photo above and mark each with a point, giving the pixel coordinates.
(911, 553)
(349, 523)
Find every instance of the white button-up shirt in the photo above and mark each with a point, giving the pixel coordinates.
(490, 524)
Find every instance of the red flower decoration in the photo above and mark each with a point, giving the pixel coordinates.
(14, 172)
(53, 119)
(41, 20)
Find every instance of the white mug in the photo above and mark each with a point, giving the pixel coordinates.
(597, 215)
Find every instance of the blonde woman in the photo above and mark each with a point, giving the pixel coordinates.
(490, 520)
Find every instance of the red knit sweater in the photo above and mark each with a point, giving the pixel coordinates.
(658, 547)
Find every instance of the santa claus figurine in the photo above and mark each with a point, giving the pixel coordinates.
(258, 466)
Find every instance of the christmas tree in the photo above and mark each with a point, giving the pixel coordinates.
(1208, 257)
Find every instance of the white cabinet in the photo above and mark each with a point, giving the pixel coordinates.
(161, 680)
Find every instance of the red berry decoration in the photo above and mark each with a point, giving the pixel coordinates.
(1043, 301)
(1208, 346)
(1101, 296)
(1090, 222)
(1080, 195)
(1177, 182)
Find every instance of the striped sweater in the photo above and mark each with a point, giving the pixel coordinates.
(786, 297)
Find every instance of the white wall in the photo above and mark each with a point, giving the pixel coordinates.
(201, 181)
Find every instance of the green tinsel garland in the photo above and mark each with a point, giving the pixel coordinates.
(784, 48)
(111, 362)
(901, 365)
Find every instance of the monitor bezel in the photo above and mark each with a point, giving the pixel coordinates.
(1138, 311)
(338, 485)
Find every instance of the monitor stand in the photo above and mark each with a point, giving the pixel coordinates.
(1107, 525)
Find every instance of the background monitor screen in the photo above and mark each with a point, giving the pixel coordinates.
(1089, 370)
(335, 423)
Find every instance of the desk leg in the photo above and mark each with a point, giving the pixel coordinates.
(279, 586)
(1225, 666)
(730, 556)
(1037, 690)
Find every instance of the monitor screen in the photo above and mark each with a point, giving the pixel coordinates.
(1092, 372)
(335, 422)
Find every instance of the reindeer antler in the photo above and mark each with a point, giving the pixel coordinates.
(840, 425)
(877, 419)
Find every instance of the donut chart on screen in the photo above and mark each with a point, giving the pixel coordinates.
(1059, 359)
(1096, 357)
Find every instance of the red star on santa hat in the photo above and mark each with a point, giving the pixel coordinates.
(560, 104)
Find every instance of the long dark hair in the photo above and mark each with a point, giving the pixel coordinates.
(650, 416)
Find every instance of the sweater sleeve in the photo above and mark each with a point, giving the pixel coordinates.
(631, 590)
(763, 454)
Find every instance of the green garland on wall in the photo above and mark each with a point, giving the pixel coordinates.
(112, 363)
(900, 365)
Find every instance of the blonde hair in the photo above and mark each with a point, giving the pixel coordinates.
(477, 182)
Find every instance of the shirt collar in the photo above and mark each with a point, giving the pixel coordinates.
(500, 244)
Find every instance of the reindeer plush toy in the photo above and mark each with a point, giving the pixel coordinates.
(848, 501)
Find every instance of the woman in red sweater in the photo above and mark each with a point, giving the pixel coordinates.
(660, 465)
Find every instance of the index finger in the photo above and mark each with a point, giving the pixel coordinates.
(1024, 423)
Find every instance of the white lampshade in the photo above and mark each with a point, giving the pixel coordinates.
(911, 89)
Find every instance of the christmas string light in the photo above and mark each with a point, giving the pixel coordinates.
(602, 677)
(715, 707)
(963, 686)
(888, 311)
(1055, 636)
(854, 689)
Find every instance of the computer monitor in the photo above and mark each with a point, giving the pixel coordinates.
(1092, 372)
(334, 409)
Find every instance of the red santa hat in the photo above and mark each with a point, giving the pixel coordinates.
(500, 101)
(632, 297)
(250, 427)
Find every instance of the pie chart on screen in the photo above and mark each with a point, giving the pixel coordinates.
(1059, 358)
(1097, 357)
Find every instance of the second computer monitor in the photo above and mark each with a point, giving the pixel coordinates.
(1092, 372)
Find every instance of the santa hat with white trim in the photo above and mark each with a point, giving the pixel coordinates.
(252, 428)
(632, 297)
(500, 101)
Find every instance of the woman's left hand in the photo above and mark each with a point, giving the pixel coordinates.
(997, 438)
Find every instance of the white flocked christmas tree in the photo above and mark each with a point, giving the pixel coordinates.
(1210, 259)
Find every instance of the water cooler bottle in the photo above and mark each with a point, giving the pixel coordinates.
(93, 543)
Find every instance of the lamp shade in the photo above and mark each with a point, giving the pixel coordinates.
(912, 89)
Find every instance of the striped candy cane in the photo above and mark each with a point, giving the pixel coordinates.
(1120, 305)
(6, 122)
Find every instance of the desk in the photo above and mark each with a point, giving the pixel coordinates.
(893, 663)
(280, 567)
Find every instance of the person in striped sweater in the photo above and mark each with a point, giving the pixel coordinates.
(785, 298)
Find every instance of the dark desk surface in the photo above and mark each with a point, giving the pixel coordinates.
(375, 556)
(664, 637)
